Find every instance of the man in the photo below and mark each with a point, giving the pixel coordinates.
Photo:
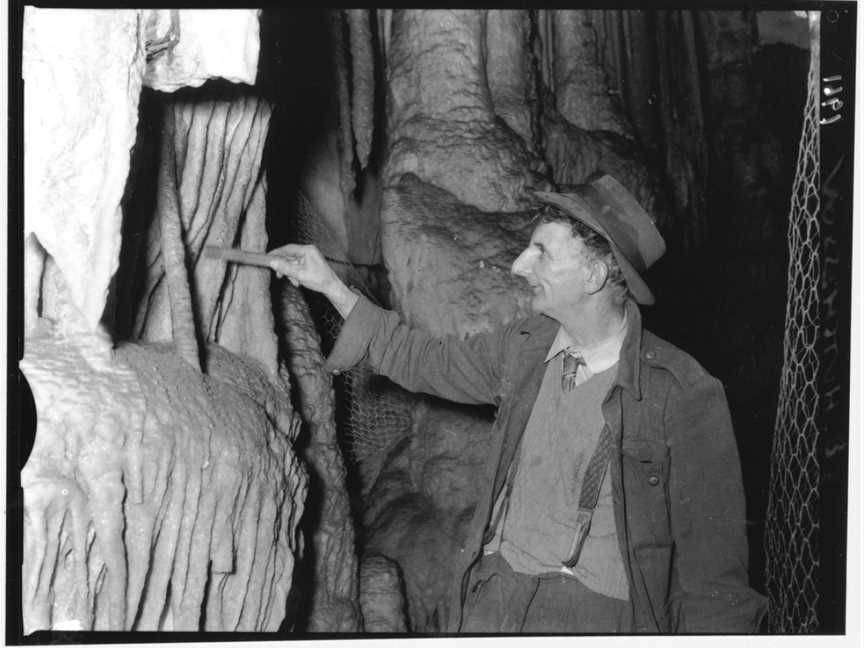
(614, 500)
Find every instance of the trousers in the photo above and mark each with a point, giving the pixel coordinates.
(500, 600)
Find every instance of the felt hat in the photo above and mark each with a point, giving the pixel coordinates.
(609, 209)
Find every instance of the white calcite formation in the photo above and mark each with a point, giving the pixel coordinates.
(200, 44)
(83, 72)
(211, 160)
(156, 497)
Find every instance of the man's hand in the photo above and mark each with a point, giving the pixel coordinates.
(304, 265)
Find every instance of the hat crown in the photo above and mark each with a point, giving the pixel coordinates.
(608, 208)
(626, 223)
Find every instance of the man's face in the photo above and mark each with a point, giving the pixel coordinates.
(554, 264)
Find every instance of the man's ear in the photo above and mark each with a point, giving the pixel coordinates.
(597, 276)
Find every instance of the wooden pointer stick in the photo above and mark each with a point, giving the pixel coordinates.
(241, 256)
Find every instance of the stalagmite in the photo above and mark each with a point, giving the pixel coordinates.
(381, 596)
(362, 82)
(333, 590)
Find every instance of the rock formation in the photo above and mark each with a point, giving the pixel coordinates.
(156, 497)
(163, 491)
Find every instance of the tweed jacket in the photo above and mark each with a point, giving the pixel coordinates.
(676, 479)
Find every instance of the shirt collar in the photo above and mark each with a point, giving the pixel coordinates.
(599, 357)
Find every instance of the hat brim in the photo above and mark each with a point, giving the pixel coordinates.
(577, 208)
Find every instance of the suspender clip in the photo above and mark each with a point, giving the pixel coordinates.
(583, 524)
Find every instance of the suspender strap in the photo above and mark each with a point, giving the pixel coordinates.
(590, 492)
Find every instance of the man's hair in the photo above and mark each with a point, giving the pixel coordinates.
(595, 243)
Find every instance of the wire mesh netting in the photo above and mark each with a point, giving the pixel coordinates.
(792, 522)
(373, 412)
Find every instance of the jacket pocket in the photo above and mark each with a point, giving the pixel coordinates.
(645, 470)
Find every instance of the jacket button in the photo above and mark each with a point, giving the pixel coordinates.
(653, 480)
(650, 355)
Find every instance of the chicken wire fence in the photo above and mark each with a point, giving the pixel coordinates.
(792, 520)
(373, 413)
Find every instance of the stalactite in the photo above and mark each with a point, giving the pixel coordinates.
(362, 81)
(183, 326)
(343, 93)
(334, 593)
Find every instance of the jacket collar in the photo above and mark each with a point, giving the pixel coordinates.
(630, 360)
(541, 330)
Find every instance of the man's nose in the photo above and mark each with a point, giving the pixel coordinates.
(521, 266)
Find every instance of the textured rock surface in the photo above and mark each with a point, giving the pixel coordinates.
(442, 127)
(216, 148)
(81, 112)
(157, 497)
(574, 154)
(330, 589)
(511, 73)
(418, 510)
(200, 45)
(381, 596)
(449, 263)
(578, 80)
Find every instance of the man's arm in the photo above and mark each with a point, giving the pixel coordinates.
(465, 371)
(709, 590)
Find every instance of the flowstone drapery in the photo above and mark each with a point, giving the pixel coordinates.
(156, 497)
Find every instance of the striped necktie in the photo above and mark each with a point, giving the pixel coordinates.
(569, 375)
